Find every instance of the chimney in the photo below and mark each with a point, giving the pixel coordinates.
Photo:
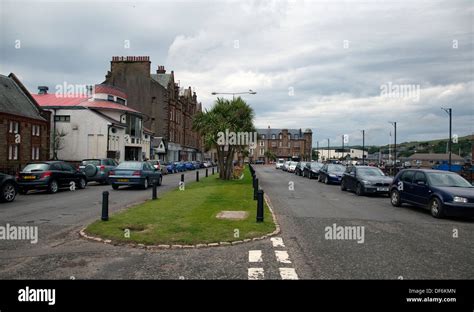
(43, 90)
(161, 69)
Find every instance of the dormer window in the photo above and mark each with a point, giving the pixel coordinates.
(120, 101)
(110, 98)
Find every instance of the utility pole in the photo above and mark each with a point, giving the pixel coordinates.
(449, 112)
(328, 149)
(343, 146)
(363, 147)
(394, 123)
(317, 149)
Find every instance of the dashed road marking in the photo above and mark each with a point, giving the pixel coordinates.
(255, 256)
(288, 274)
(277, 242)
(282, 256)
(256, 274)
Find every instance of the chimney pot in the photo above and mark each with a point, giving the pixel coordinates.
(43, 90)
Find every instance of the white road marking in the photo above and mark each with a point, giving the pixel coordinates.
(282, 256)
(255, 273)
(277, 242)
(255, 256)
(288, 274)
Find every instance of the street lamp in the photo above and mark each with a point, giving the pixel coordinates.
(363, 147)
(317, 149)
(394, 123)
(328, 149)
(449, 111)
(250, 91)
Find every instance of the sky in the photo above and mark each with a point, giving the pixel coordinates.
(336, 67)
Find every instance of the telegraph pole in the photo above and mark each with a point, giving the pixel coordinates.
(449, 112)
(363, 147)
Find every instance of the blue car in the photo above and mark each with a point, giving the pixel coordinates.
(135, 173)
(444, 193)
(179, 167)
(331, 173)
(189, 165)
(171, 168)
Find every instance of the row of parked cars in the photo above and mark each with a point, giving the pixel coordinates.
(443, 193)
(54, 175)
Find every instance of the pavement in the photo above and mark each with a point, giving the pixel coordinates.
(398, 243)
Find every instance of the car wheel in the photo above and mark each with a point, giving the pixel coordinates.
(82, 183)
(326, 180)
(436, 208)
(115, 186)
(145, 184)
(359, 189)
(53, 187)
(8, 192)
(343, 186)
(395, 198)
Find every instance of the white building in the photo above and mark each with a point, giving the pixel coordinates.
(100, 125)
(349, 153)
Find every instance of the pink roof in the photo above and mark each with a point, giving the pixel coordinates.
(51, 100)
(101, 88)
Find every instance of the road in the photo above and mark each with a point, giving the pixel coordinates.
(398, 242)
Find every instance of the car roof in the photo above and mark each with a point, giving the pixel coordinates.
(428, 170)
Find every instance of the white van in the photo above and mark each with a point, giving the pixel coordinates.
(279, 163)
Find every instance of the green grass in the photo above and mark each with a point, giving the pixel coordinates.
(189, 216)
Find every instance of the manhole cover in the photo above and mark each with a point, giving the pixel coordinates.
(233, 215)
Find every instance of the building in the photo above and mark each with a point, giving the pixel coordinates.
(24, 127)
(348, 153)
(428, 160)
(282, 143)
(169, 109)
(95, 125)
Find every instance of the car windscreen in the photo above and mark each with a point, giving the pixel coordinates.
(316, 165)
(293, 163)
(336, 168)
(36, 167)
(370, 172)
(447, 179)
(129, 165)
(94, 162)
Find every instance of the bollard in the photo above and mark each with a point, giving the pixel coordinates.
(197, 176)
(212, 170)
(105, 206)
(154, 196)
(182, 177)
(260, 206)
(255, 189)
(206, 172)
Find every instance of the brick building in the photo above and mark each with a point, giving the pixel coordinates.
(169, 109)
(24, 126)
(289, 144)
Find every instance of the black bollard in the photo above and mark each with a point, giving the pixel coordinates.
(212, 170)
(154, 195)
(260, 206)
(182, 177)
(206, 172)
(197, 176)
(255, 189)
(105, 206)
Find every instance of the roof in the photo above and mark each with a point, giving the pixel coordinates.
(162, 79)
(433, 156)
(16, 100)
(108, 89)
(54, 101)
(276, 132)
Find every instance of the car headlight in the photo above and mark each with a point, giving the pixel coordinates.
(332, 175)
(366, 182)
(458, 199)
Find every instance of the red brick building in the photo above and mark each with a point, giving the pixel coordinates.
(24, 126)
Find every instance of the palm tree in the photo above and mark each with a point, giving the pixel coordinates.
(232, 115)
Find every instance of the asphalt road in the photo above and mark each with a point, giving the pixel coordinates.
(398, 242)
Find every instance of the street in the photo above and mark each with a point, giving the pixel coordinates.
(398, 243)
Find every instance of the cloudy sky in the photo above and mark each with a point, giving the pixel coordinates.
(323, 65)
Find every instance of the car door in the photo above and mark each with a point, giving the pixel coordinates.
(68, 175)
(323, 171)
(405, 186)
(351, 177)
(57, 172)
(421, 190)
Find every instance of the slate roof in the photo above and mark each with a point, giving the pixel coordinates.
(162, 79)
(268, 132)
(14, 100)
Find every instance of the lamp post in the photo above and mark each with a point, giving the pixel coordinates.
(394, 123)
(317, 149)
(363, 147)
(343, 146)
(250, 91)
(449, 111)
(328, 150)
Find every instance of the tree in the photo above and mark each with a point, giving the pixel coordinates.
(58, 139)
(232, 115)
(270, 155)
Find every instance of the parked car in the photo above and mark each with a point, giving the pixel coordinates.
(189, 165)
(331, 173)
(300, 168)
(311, 169)
(135, 173)
(444, 193)
(208, 164)
(279, 163)
(50, 175)
(170, 167)
(159, 165)
(8, 188)
(180, 166)
(285, 165)
(291, 166)
(365, 179)
(97, 169)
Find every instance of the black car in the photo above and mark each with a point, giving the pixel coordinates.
(299, 170)
(8, 188)
(365, 179)
(311, 169)
(444, 193)
(51, 176)
(331, 173)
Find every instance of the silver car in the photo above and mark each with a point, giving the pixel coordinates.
(98, 169)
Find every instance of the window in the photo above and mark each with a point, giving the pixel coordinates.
(273, 136)
(67, 167)
(289, 136)
(274, 144)
(120, 101)
(13, 152)
(110, 98)
(134, 126)
(280, 144)
(420, 177)
(289, 144)
(56, 167)
(35, 130)
(62, 118)
(295, 137)
(262, 151)
(251, 151)
(262, 143)
(35, 152)
(407, 176)
(281, 136)
(14, 127)
(263, 136)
